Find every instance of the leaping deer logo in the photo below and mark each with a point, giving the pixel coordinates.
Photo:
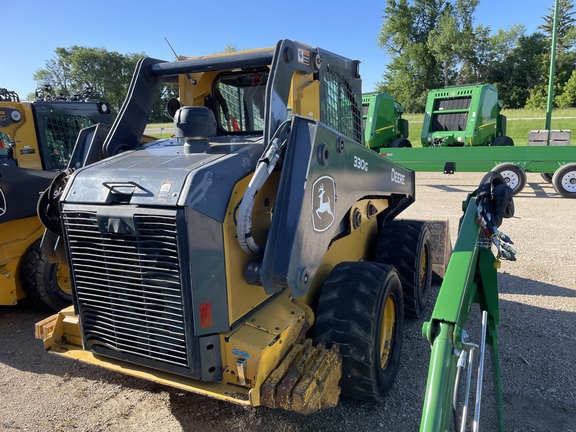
(3, 203)
(324, 206)
(323, 194)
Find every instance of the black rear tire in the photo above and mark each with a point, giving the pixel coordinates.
(41, 283)
(547, 177)
(400, 143)
(406, 245)
(360, 310)
(502, 140)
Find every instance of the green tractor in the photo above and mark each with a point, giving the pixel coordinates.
(464, 116)
(382, 121)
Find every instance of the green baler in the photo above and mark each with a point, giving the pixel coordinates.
(464, 116)
(383, 124)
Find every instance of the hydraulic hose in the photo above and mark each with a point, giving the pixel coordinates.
(264, 168)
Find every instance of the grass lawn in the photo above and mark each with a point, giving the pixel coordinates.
(519, 123)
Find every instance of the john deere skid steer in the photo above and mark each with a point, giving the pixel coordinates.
(254, 256)
(36, 141)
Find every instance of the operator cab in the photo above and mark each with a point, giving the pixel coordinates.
(238, 101)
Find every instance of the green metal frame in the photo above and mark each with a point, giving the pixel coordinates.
(471, 277)
(482, 159)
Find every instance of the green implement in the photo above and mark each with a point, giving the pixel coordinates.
(382, 122)
(558, 162)
(464, 116)
(471, 278)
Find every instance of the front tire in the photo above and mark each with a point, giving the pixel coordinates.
(360, 310)
(406, 245)
(45, 284)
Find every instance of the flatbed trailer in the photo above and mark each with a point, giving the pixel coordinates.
(556, 163)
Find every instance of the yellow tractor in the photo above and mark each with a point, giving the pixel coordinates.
(255, 256)
(36, 141)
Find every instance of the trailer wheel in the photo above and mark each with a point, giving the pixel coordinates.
(514, 176)
(502, 140)
(547, 177)
(360, 310)
(400, 142)
(47, 285)
(564, 180)
(406, 245)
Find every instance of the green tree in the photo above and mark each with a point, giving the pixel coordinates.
(443, 44)
(107, 73)
(565, 54)
(413, 69)
(57, 72)
(567, 98)
(564, 25)
(75, 68)
(433, 43)
(520, 71)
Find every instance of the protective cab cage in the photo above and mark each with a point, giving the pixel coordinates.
(260, 76)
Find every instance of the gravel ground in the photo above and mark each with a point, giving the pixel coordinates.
(42, 392)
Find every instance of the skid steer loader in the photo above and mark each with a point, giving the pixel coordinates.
(255, 256)
(36, 141)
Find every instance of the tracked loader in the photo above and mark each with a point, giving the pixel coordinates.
(36, 141)
(257, 255)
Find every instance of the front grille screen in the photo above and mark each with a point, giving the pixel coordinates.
(128, 284)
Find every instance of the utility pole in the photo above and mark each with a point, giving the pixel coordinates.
(552, 70)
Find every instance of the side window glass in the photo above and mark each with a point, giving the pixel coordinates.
(240, 100)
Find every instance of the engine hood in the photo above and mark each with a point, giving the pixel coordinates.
(165, 174)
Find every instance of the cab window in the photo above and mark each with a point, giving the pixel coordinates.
(240, 101)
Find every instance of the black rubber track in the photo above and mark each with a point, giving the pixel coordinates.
(401, 243)
(39, 281)
(349, 315)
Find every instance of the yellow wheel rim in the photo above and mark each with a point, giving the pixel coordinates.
(423, 262)
(387, 332)
(63, 279)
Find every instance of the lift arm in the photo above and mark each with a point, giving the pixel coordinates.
(471, 277)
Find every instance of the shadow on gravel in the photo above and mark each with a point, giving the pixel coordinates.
(21, 350)
(531, 190)
(510, 284)
(445, 188)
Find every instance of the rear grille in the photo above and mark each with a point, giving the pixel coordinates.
(128, 286)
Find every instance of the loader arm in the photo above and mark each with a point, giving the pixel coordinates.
(471, 277)
(317, 190)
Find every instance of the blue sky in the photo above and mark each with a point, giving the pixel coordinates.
(32, 29)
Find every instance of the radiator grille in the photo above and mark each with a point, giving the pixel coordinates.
(128, 286)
